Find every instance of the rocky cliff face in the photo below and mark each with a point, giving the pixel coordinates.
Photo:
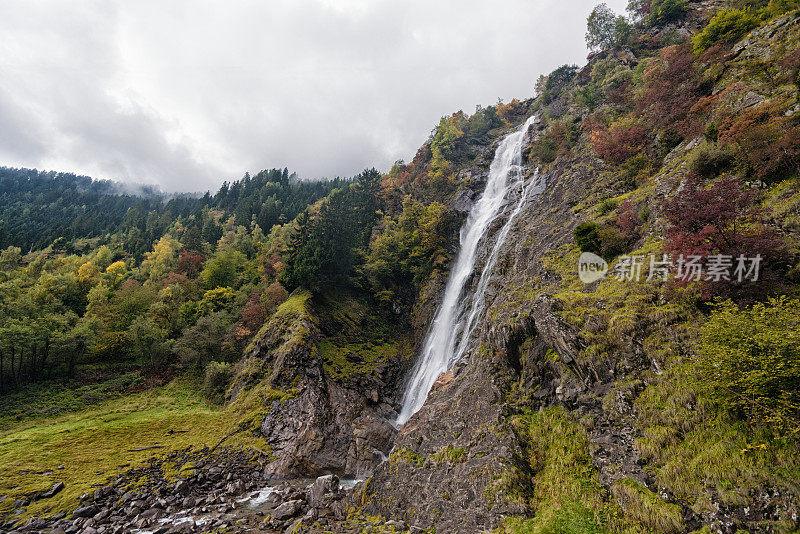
(558, 371)
(333, 407)
(468, 409)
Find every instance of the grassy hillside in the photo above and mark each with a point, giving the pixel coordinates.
(88, 446)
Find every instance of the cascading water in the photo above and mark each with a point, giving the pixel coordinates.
(449, 335)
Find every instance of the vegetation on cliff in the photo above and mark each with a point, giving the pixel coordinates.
(681, 137)
(696, 155)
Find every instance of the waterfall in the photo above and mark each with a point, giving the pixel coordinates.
(448, 337)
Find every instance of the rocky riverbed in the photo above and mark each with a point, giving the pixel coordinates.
(215, 491)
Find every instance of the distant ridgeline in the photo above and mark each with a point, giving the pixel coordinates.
(39, 208)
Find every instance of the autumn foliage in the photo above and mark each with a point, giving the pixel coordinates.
(671, 88)
(253, 315)
(619, 141)
(628, 220)
(723, 218)
(768, 140)
(189, 263)
(510, 111)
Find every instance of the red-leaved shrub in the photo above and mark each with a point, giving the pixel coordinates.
(768, 140)
(189, 263)
(672, 86)
(619, 141)
(628, 220)
(724, 218)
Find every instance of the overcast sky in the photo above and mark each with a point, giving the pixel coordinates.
(186, 94)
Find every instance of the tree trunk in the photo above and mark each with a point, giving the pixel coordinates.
(14, 374)
(73, 357)
(71, 365)
(45, 353)
(12, 362)
(32, 365)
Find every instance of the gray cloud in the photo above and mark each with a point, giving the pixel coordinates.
(186, 94)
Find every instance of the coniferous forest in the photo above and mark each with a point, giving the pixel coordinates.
(60, 228)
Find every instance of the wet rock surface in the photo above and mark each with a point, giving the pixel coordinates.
(326, 428)
(449, 455)
(328, 424)
(446, 466)
(228, 491)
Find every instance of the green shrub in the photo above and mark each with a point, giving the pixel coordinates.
(633, 171)
(768, 10)
(638, 72)
(602, 239)
(147, 342)
(607, 206)
(750, 361)
(556, 141)
(218, 375)
(544, 151)
(610, 74)
(589, 96)
(223, 269)
(409, 249)
(206, 340)
(667, 141)
(710, 160)
(215, 300)
(555, 82)
(612, 242)
(644, 213)
(444, 141)
(712, 132)
(666, 11)
(559, 78)
(482, 121)
(587, 238)
(726, 27)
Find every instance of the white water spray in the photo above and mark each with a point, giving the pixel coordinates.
(448, 338)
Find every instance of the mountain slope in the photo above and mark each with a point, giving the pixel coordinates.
(634, 402)
(613, 363)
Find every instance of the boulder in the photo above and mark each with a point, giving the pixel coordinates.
(287, 509)
(57, 487)
(89, 510)
(322, 486)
